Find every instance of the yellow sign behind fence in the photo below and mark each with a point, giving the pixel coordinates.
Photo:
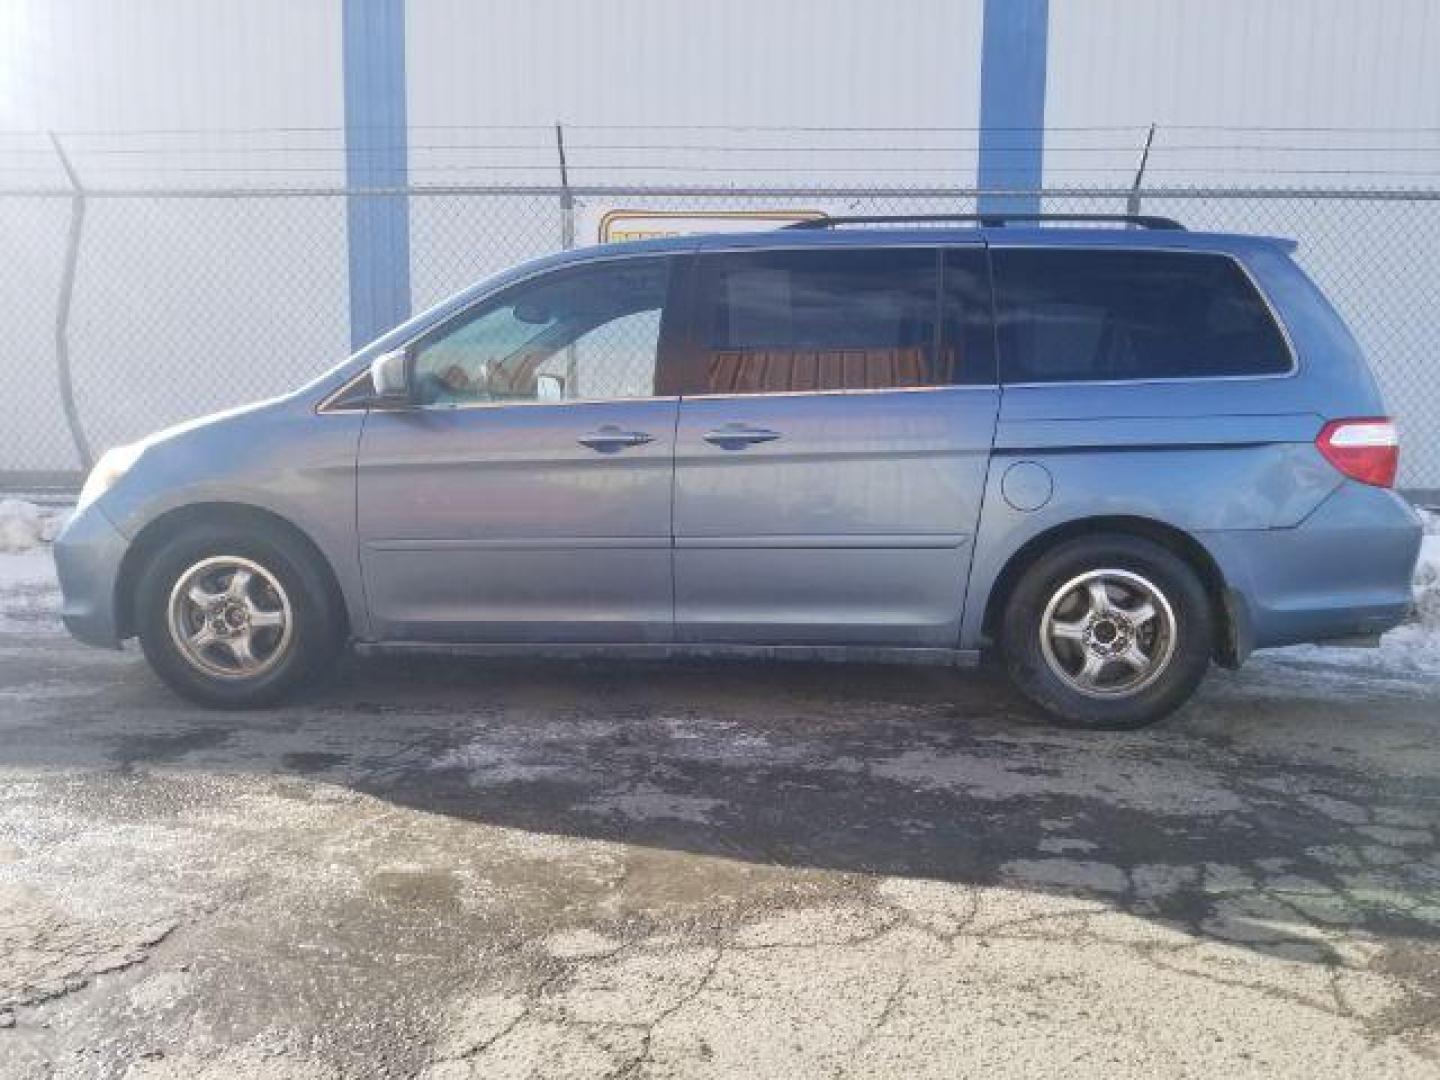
(617, 226)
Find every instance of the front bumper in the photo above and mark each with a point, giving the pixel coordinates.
(88, 554)
(1344, 572)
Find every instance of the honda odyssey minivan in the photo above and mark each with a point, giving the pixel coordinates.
(1107, 456)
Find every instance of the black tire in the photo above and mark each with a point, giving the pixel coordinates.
(1169, 684)
(315, 624)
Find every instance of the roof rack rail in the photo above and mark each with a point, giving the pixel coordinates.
(995, 220)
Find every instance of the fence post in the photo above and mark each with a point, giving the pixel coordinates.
(62, 307)
(567, 241)
(567, 200)
(1132, 204)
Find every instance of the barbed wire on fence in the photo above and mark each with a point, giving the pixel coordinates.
(665, 155)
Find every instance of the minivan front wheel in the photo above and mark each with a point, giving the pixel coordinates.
(235, 617)
(1108, 632)
(230, 617)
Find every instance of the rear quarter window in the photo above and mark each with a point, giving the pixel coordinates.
(1088, 315)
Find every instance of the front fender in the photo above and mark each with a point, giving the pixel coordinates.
(282, 458)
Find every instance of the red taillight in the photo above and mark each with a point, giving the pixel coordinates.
(1366, 449)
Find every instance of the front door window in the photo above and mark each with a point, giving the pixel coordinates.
(590, 333)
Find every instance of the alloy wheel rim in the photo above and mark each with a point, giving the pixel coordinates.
(230, 617)
(1108, 633)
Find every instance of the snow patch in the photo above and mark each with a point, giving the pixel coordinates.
(1408, 652)
(19, 525)
(28, 570)
(1427, 576)
(487, 763)
(29, 591)
(24, 526)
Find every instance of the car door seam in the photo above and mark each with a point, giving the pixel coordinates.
(990, 457)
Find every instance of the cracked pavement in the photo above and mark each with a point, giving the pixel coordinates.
(466, 869)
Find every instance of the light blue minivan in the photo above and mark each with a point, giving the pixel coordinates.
(1105, 455)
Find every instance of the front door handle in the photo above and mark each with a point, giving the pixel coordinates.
(609, 439)
(739, 436)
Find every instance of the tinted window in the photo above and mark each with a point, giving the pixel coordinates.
(591, 333)
(777, 321)
(1085, 315)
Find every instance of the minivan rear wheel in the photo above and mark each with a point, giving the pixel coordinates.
(235, 617)
(1108, 631)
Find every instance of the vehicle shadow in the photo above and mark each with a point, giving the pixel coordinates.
(1279, 817)
(1212, 823)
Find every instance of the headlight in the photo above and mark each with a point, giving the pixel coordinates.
(113, 464)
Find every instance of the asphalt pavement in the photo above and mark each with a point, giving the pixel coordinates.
(454, 868)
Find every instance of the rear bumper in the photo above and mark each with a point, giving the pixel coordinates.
(88, 554)
(1345, 571)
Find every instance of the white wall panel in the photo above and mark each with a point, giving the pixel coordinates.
(169, 63)
(198, 87)
(1195, 67)
(842, 63)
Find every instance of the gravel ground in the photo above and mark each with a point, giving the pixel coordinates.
(490, 870)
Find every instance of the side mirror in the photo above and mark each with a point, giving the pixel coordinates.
(389, 376)
(549, 388)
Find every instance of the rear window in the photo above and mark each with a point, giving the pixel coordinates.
(778, 321)
(1077, 316)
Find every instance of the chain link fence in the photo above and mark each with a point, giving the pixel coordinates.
(163, 305)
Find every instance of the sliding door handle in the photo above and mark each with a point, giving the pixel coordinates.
(608, 439)
(739, 436)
